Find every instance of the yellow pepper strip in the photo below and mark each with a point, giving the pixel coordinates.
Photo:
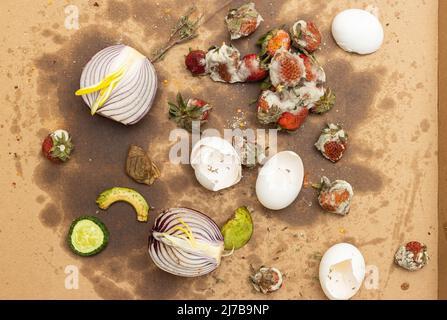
(187, 230)
(105, 86)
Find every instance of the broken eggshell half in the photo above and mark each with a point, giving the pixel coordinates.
(280, 180)
(342, 270)
(216, 163)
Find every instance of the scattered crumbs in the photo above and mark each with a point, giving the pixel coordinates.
(268, 229)
(306, 180)
(97, 211)
(16, 87)
(239, 120)
(165, 82)
(90, 159)
(405, 286)
(14, 184)
(429, 233)
(96, 4)
(342, 230)
(284, 229)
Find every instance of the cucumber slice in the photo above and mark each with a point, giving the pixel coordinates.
(87, 236)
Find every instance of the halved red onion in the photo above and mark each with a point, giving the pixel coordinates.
(186, 243)
(134, 93)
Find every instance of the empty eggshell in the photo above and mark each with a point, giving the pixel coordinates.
(280, 180)
(342, 270)
(216, 163)
(358, 31)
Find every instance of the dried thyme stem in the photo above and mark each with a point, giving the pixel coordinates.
(184, 30)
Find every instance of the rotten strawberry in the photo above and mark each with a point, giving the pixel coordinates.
(57, 146)
(291, 122)
(306, 36)
(335, 197)
(286, 69)
(274, 40)
(251, 68)
(333, 142)
(195, 62)
(413, 256)
(325, 103)
(243, 21)
(184, 113)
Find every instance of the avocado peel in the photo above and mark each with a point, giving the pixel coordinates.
(130, 196)
(238, 230)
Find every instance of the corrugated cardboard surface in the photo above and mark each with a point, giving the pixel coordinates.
(387, 102)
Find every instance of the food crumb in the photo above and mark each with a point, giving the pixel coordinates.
(405, 286)
(165, 82)
(342, 230)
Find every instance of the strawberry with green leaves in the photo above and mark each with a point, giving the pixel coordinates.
(57, 146)
(274, 40)
(326, 102)
(184, 113)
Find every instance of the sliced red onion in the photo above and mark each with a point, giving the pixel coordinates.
(134, 93)
(186, 243)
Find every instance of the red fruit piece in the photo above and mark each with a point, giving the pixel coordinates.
(286, 69)
(292, 122)
(274, 40)
(312, 36)
(310, 75)
(334, 150)
(198, 103)
(195, 62)
(47, 145)
(57, 146)
(414, 246)
(248, 27)
(251, 64)
(263, 104)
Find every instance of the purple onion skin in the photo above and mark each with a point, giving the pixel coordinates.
(160, 224)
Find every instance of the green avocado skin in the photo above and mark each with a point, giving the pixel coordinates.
(238, 230)
(97, 222)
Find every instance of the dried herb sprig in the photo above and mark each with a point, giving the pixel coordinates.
(184, 30)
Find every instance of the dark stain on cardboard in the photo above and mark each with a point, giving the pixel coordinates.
(101, 147)
(50, 216)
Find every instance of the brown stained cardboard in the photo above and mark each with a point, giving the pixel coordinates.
(442, 150)
(387, 102)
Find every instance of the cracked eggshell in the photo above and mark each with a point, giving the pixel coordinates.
(216, 163)
(342, 270)
(358, 31)
(280, 180)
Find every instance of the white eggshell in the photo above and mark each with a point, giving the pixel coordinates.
(342, 270)
(280, 180)
(358, 31)
(216, 163)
